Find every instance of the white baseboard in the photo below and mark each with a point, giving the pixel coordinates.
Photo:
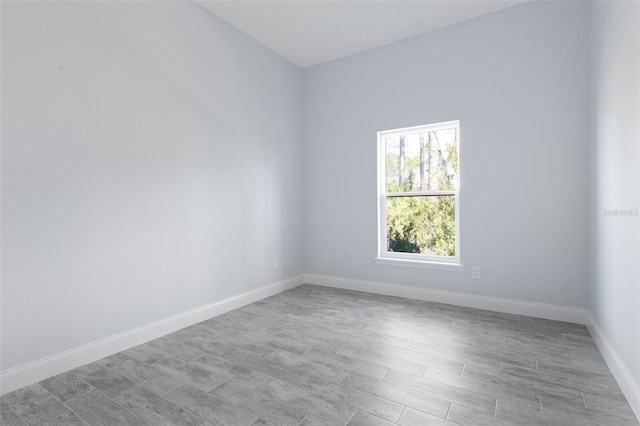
(625, 380)
(510, 306)
(35, 371)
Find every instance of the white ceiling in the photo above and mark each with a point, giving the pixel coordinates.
(308, 32)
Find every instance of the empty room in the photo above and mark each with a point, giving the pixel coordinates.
(341, 213)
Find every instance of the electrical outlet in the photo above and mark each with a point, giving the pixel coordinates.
(475, 272)
(276, 263)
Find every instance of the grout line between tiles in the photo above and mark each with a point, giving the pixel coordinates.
(351, 418)
(540, 402)
(300, 422)
(109, 398)
(25, 422)
(77, 415)
(401, 413)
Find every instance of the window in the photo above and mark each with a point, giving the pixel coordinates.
(418, 183)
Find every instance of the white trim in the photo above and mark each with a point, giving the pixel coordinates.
(445, 266)
(421, 193)
(620, 372)
(420, 258)
(510, 306)
(421, 129)
(35, 371)
(382, 194)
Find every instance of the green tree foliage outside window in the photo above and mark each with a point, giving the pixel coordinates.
(422, 225)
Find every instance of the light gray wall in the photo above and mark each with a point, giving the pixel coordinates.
(518, 82)
(614, 291)
(150, 165)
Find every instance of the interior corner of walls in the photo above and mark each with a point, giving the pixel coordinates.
(35, 371)
(630, 388)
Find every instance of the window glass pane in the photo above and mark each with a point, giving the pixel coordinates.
(422, 225)
(426, 161)
(442, 162)
(392, 165)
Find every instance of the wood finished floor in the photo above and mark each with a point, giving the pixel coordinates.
(323, 356)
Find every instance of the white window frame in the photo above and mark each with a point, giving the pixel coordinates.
(411, 259)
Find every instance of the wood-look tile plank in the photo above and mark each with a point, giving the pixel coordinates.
(99, 410)
(156, 410)
(104, 379)
(575, 382)
(590, 364)
(387, 340)
(607, 413)
(441, 390)
(145, 353)
(280, 343)
(604, 377)
(520, 384)
(341, 362)
(114, 359)
(66, 386)
(527, 416)
(609, 407)
(398, 364)
(238, 373)
(342, 323)
(433, 339)
(466, 416)
(323, 336)
(307, 401)
(421, 358)
(240, 326)
(36, 406)
(411, 417)
(196, 375)
(210, 408)
(148, 375)
(263, 406)
(401, 395)
(306, 366)
(485, 387)
(262, 422)
(579, 338)
(270, 367)
(312, 420)
(8, 417)
(467, 356)
(362, 400)
(309, 339)
(242, 342)
(207, 346)
(173, 344)
(364, 419)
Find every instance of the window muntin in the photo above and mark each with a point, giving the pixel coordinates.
(418, 193)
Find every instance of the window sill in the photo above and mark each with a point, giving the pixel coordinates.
(444, 266)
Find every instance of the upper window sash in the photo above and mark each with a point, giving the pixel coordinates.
(423, 159)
